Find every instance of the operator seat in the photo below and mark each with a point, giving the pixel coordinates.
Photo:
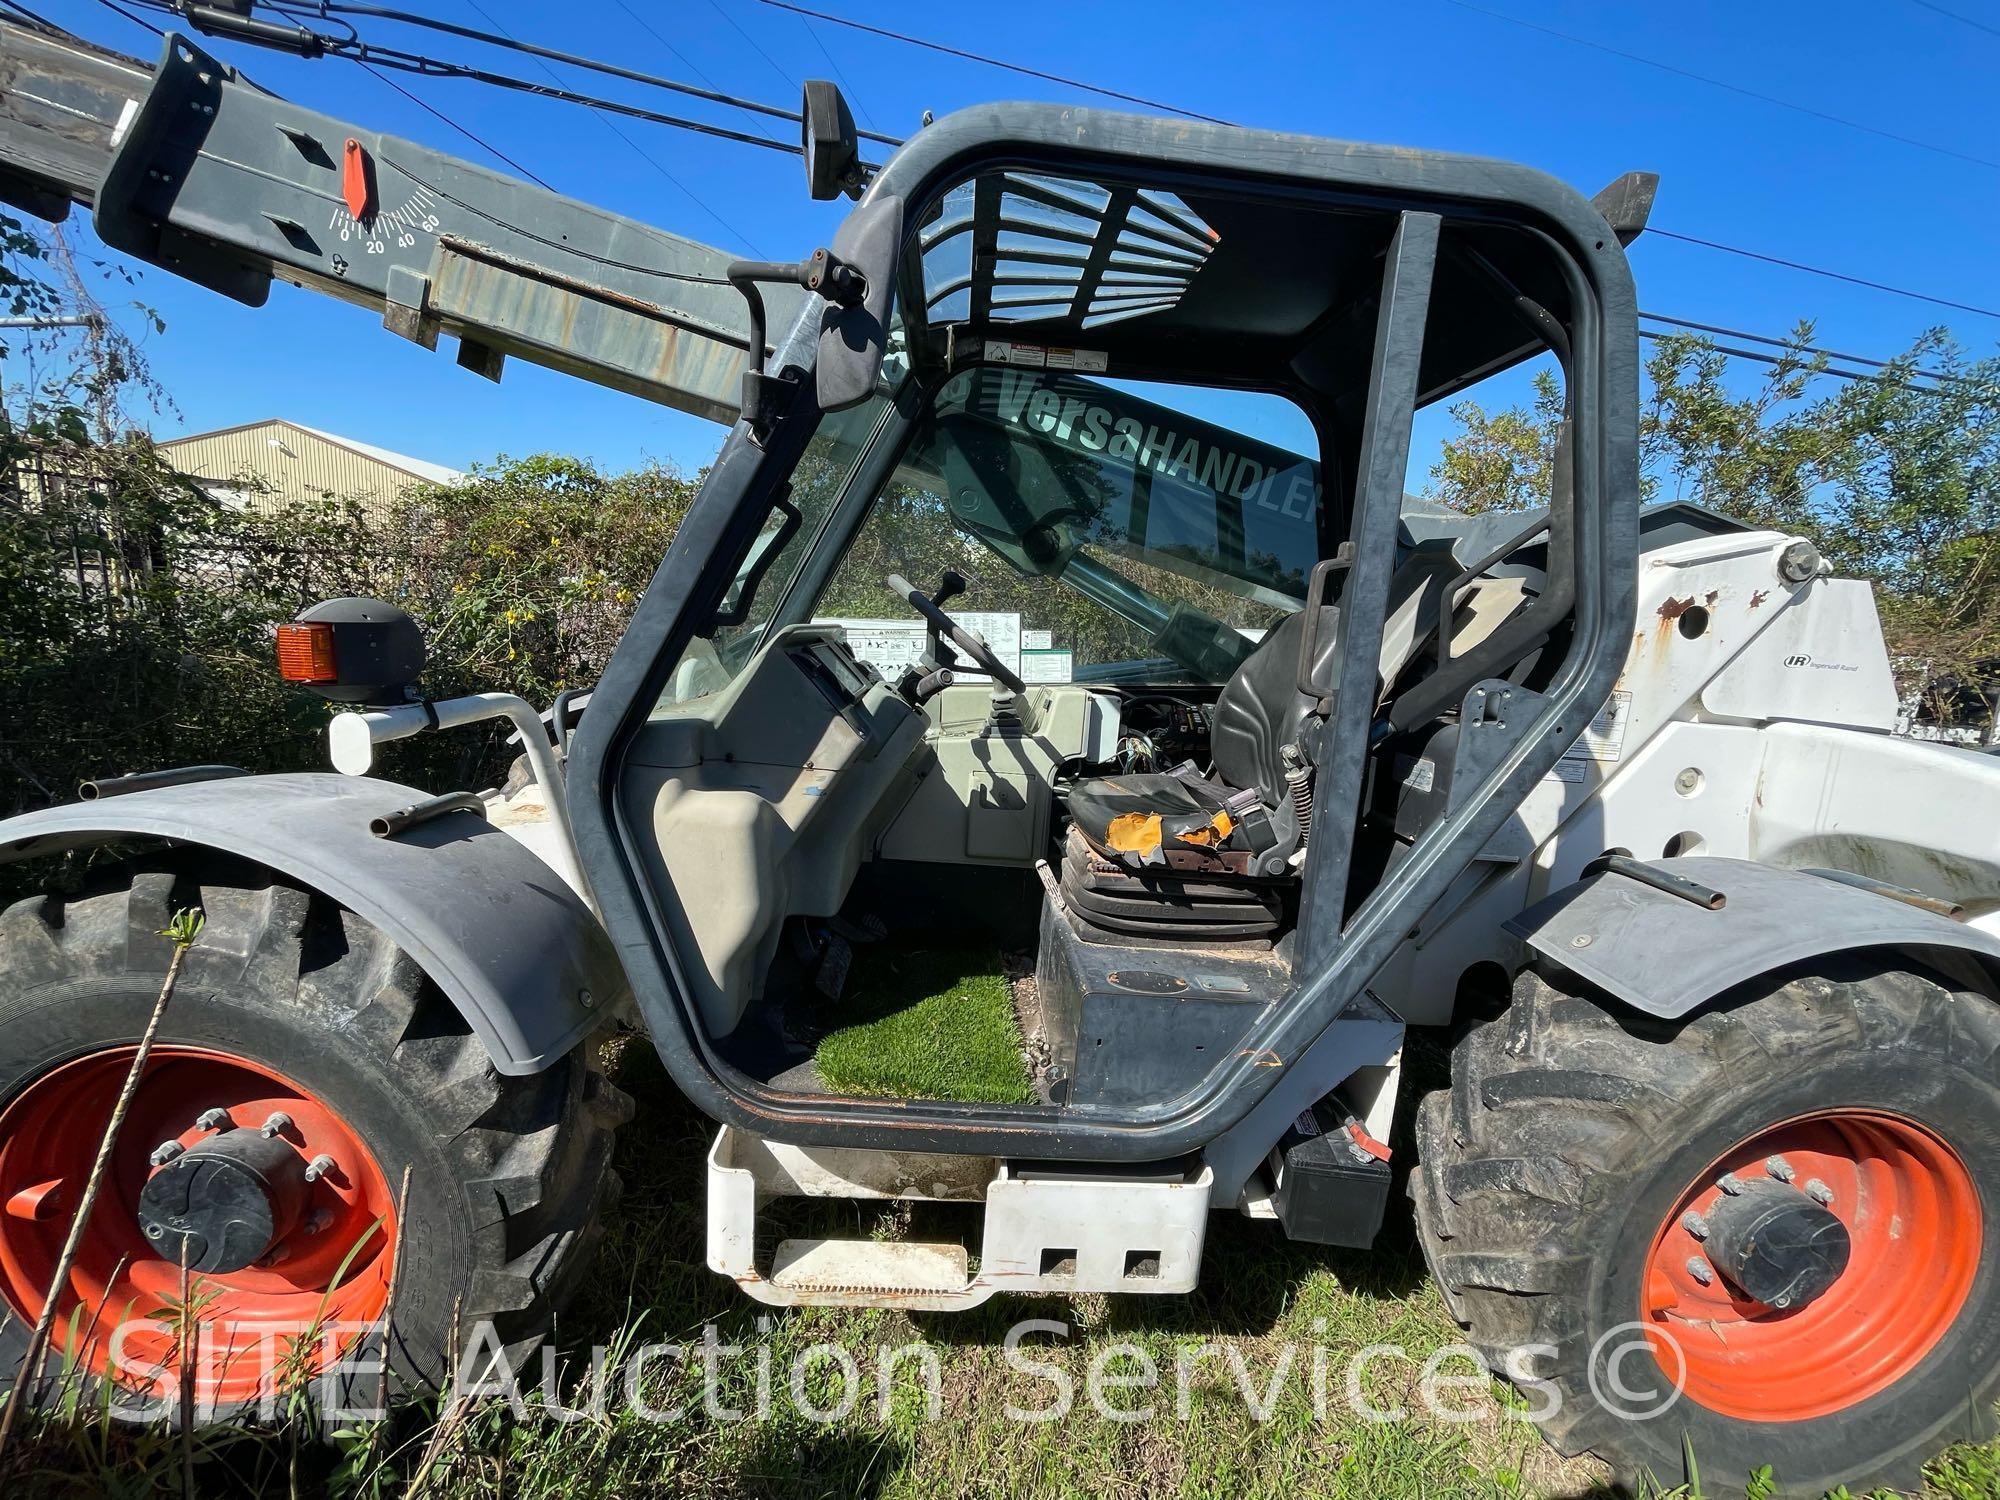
(1242, 820)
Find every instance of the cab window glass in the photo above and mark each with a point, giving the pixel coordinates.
(1111, 536)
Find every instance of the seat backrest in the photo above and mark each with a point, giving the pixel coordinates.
(1261, 709)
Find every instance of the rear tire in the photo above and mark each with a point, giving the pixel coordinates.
(1556, 1170)
(508, 1176)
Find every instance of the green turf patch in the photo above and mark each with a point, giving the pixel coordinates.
(931, 1024)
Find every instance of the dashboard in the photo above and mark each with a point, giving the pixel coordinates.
(757, 803)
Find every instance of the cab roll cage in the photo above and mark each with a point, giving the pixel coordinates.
(1520, 741)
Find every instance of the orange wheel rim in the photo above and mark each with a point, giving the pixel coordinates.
(283, 1317)
(1913, 1220)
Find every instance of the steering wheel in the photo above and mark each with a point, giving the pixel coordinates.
(971, 642)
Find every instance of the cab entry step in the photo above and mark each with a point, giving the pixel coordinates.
(832, 1267)
(1042, 1229)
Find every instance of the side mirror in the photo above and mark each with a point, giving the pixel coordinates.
(852, 340)
(832, 149)
(365, 651)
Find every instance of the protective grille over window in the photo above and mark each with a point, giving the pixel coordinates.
(1021, 248)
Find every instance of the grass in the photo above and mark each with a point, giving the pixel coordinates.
(935, 1024)
(1259, 1294)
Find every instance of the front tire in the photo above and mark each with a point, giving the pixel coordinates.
(288, 1006)
(1559, 1171)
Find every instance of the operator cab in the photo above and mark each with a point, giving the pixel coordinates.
(1100, 638)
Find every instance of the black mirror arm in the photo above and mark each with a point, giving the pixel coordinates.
(825, 274)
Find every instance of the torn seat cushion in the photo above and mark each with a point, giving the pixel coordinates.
(1131, 819)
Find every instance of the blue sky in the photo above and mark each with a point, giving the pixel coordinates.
(1430, 73)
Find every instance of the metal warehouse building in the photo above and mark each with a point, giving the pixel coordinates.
(275, 463)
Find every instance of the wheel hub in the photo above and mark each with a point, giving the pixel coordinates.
(1813, 1266)
(226, 1203)
(1777, 1245)
(284, 1212)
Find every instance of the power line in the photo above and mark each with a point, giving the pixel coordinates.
(644, 155)
(1653, 230)
(242, 76)
(463, 130)
(1793, 344)
(1011, 67)
(135, 20)
(356, 50)
(1794, 265)
(1899, 373)
(671, 50)
(1718, 83)
(793, 82)
(1955, 16)
(1777, 359)
(838, 72)
(500, 37)
(41, 21)
(403, 61)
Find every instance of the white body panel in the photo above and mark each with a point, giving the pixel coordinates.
(1764, 735)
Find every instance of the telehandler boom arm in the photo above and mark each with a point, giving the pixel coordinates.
(191, 168)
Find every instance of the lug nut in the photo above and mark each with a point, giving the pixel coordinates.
(318, 1167)
(274, 1122)
(165, 1152)
(1701, 1271)
(1819, 1192)
(1695, 1224)
(1779, 1168)
(1730, 1183)
(318, 1220)
(212, 1119)
(278, 1252)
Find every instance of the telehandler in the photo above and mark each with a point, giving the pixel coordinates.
(1265, 761)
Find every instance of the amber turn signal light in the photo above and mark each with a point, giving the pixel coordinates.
(305, 653)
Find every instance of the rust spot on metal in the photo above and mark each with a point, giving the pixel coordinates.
(472, 250)
(1712, 596)
(1673, 609)
(1759, 597)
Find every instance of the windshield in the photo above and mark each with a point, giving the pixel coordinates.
(1110, 537)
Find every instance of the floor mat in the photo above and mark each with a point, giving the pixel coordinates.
(926, 1024)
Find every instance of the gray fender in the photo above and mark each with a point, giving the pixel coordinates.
(1665, 956)
(522, 958)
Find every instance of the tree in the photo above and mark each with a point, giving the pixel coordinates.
(1501, 460)
(136, 613)
(526, 573)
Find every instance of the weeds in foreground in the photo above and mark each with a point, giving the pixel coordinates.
(461, 1441)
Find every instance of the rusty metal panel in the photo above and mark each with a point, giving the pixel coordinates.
(649, 348)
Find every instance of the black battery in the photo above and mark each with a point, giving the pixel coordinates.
(1333, 1185)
